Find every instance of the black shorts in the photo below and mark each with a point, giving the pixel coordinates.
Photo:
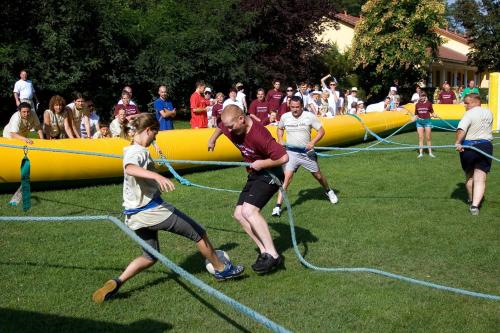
(260, 187)
(471, 159)
(178, 223)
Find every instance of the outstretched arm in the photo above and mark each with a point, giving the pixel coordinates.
(213, 139)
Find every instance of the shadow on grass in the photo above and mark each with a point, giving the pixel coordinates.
(195, 263)
(317, 193)
(36, 322)
(84, 209)
(209, 305)
(284, 240)
(460, 193)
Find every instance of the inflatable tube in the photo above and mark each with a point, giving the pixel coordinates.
(187, 144)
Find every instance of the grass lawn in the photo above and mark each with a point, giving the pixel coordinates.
(396, 213)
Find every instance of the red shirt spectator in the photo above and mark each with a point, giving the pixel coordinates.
(260, 110)
(216, 112)
(198, 105)
(423, 109)
(274, 96)
(446, 97)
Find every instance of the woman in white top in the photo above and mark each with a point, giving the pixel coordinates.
(54, 119)
(146, 213)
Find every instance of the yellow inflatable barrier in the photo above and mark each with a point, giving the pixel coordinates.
(186, 144)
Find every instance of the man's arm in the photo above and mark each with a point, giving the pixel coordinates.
(269, 163)
(280, 133)
(213, 139)
(320, 133)
(459, 138)
(323, 83)
(16, 97)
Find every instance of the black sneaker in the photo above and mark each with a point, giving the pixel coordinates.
(266, 263)
(106, 291)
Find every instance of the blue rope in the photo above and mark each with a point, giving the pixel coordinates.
(292, 225)
(368, 270)
(164, 260)
(185, 181)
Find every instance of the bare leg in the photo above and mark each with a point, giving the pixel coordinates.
(238, 215)
(135, 267)
(207, 251)
(321, 179)
(469, 183)
(479, 186)
(286, 182)
(259, 228)
(428, 138)
(420, 131)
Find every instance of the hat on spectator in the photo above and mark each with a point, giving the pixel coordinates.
(360, 102)
(239, 84)
(354, 89)
(421, 85)
(394, 89)
(207, 89)
(316, 92)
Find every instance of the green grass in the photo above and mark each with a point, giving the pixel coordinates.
(396, 213)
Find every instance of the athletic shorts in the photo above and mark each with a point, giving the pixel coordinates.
(260, 187)
(308, 161)
(178, 223)
(471, 159)
(423, 122)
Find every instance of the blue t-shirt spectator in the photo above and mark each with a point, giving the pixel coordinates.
(165, 123)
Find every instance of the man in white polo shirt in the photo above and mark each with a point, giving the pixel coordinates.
(475, 129)
(300, 147)
(24, 91)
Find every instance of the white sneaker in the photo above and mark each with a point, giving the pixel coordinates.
(332, 197)
(276, 211)
(432, 155)
(420, 155)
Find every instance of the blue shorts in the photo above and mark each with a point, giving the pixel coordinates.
(423, 122)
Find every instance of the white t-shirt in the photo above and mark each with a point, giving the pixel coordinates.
(351, 99)
(415, 97)
(24, 88)
(305, 99)
(138, 192)
(21, 126)
(131, 102)
(298, 130)
(377, 107)
(477, 123)
(240, 97)
(115, 128)
(229, 101)
(331, 99)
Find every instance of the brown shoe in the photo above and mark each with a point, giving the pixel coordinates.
(106, 291)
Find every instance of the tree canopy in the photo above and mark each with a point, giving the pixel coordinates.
(396, 40)
(481, 19)
(97, 47)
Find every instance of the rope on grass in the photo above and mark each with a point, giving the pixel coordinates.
(344, 269)
(368, 270)
(164, 260)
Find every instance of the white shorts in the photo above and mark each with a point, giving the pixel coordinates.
(295, 160)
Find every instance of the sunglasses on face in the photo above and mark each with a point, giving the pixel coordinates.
(289, 90)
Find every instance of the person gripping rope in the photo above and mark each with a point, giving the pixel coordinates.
(266, 156)
(300, 147)
(146, 213)
(475, 129)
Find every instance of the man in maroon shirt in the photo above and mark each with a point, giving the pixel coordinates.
(199, 105)
(131, 110)
(274, 96)
(447, 96)
(266, 156)
(259, 108)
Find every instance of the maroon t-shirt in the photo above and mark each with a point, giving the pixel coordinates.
(423, 110)
(257, 144)
(260, 110)
(130, 110)
(446, 97)
(284, 108)
(273, 99)
(216, 112)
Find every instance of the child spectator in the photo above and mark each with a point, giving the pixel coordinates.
(103, 132)
(117, 126)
